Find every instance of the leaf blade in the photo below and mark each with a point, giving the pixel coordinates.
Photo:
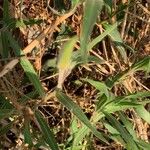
(47, 133)
(91, 11)
(26, 65)
(76, 110)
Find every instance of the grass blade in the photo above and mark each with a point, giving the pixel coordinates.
(99, 86)
(115, 135)
(102, 36)
(113, 107)
(4, 47)
(144, 145)
(91, 11)
(118, 42)
(27, 134)
(127, 124)
(26, 65)
(65, 63)
(129, 127)
(143, 113)
(137, 95)
(123, 132)
(64, 60)
(143, 64)
(47, 133)
(110, 108)
(6, 15)
(76, 110)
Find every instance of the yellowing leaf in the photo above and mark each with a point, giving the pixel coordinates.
(65, 62)
(64, 59)
(91, 11)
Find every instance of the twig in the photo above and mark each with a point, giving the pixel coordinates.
(49, 30)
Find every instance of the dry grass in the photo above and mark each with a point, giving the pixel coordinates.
(40, 42)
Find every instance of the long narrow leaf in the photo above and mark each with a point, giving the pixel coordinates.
(91, 11)
(144, 145)
(6, 13)
(26, 65)
(65, 63)
(27, 134)
(123, 132)
(102, 36)
(76, 110)
(111, 108)
(118, 42)
(99, 86)
(143, 113)
(143, 64)
(4, 47)
(115, 135)
(127, 124)
(47, 133)
(129, 127)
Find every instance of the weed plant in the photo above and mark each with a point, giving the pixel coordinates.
(75, 75)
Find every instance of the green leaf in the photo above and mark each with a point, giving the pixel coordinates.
(47, 133)
(113, 107)
(65, 62)
(76, 110)
(127, 124)
(118, 42)
(102, 36)
(6, 11)
(99, 86)
(110, 107)
(109, 5)
(115, 135)
(143, 64)
(26, 65)
(143, 113)
(95, 59)
(4, 47)
(111, 129)
(27, 134)
(65, 56)
(73, 130)
(74, 125)
(144, 145)
(79, 136)
(102, 100)
(136, 95)
(32, 75)
(91, 11)
(130, 128)
(130, 144)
